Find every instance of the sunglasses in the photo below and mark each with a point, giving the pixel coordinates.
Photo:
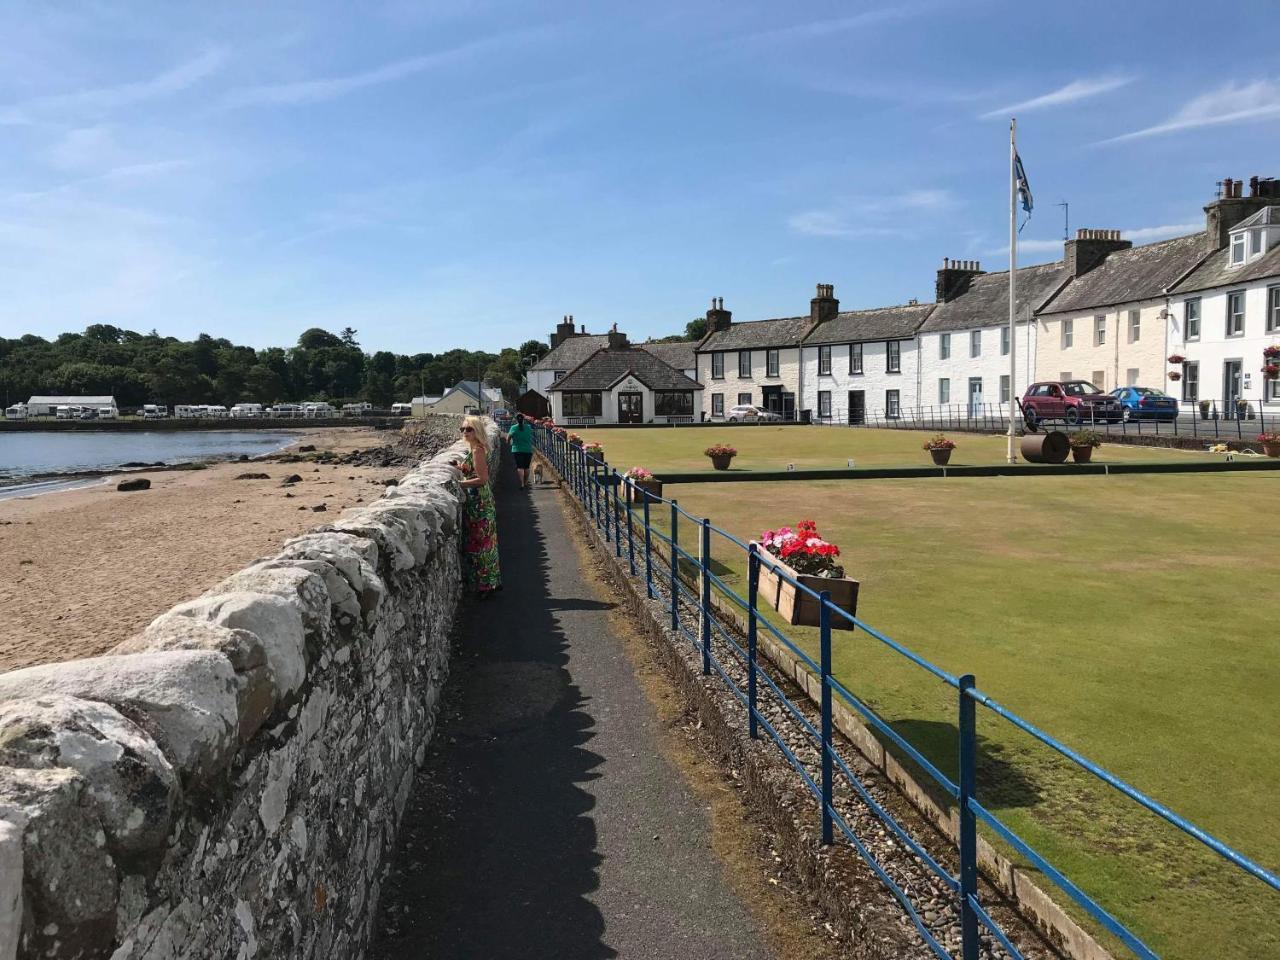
(466, 430)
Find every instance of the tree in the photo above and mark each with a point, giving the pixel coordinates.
(315, 339)
(537, 349)
(348, 336)
(695, 329)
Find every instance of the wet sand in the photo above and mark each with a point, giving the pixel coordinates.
(83, 569)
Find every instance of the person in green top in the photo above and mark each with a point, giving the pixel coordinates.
(521, 437)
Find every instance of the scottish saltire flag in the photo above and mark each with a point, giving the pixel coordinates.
(1024, 188)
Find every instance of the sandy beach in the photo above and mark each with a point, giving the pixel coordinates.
(87, 568)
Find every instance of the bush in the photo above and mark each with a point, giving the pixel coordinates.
(720, 450)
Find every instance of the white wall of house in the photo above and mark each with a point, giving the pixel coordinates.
(875, 381)
(541, 380)
(1205, 375)
(1125, 357)
(947, 355)
(731, 385)
(609, 404)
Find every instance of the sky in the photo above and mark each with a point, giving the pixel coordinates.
(464, 173)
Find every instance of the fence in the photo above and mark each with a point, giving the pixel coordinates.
(614, 502)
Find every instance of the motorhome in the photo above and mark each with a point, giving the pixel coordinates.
(356, 409)
(154, 411)
(106, 413)
(285, 410)
(216, 410)
(183, 411)
(69, 411)
(246, 410)
(318, 408)
(401, 409)
(17, 412)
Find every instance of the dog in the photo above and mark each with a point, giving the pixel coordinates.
(536, 474)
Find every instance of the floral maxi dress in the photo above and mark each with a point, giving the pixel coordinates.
(480, 535)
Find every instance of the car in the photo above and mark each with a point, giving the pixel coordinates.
(750, 413)
(1145, 403)
(1072, 401)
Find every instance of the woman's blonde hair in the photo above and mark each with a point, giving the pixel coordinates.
(475, 423)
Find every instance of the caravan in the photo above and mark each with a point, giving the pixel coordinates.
(16, 412)
(246, 410)
(153, 411)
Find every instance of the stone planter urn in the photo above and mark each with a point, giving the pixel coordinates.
(721, 462)
(1082, 454)
(941, 455)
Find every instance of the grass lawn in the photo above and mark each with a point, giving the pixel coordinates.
(1120, 614)
(772, 448)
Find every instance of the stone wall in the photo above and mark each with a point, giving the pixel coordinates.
(228, 783)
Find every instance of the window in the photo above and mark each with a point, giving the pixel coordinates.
(1191, 323)
(673, 403)
(1099, 379)
(893, 357)
(944, 390)
(1255, 243)
(1099, 330)
(855, 358)
(1004, 341)
(771, 363)
(944, 347)
(558, 375)
(1235, 314)
(824, 361)
(1273, 309)
(1135, 326)
(975, 343)
(582, 403)
(744, 399)
(717, 404)
(1271, 387)
(1131, 377)
(892, 407)
(1004, 389)
(717, 366)
(1191, 381)
(824, 404)
(1068, 333)
(1065, 375)
(744, 364)
(1237, 249)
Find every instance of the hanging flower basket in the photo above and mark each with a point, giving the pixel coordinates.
(1177, 359)
(1272, 352)
(806, 550)
(1271, 370)
(1175, 375)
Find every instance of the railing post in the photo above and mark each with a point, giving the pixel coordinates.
(968, 823)
(753, 591)
(615, 485)
(675, 566)
(706, 595)
(648, 549)
(628, 498)
(824, 626)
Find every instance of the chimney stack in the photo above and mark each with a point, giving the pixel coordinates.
(617, 341)
(954, 278)
(824, 305)
(1090, 248)
(718, 318)
(1232, 206)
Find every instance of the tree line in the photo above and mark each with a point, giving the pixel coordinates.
(139, 368)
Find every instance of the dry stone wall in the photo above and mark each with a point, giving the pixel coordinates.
(228, 783)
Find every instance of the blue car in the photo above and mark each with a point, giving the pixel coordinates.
(1144, 403)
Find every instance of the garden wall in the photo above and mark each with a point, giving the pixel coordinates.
(228, 783)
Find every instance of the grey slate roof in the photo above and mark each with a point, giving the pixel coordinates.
(880, 323)
(604, 368)
(1139, 273)
(1266, 217)
(572, 352)
(1216, 271)
(679, 355)
(758, 334)
(986, 302)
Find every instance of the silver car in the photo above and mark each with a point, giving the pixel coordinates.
(750, 413)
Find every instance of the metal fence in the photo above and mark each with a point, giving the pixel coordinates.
(624, 512)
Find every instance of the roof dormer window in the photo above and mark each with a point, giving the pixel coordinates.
(1237, 248)
(1252, 238)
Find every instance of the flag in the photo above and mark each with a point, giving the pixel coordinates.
(1024, 188)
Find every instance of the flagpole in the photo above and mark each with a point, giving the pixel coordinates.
(1013, 279)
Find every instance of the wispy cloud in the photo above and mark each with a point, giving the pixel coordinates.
(124, 172)
(1138, 235)
(832, 26)
(328, 88)
(1074, 91)
(166, 84)
(1232, 103)
(868, 217)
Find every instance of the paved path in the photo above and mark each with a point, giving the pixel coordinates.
(547, 822)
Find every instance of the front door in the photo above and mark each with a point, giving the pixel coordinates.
(1231, 370)
(975, 396)
(772, 397)
(857, 406)
(631, 408)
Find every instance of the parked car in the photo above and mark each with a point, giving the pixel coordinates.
(1072, 401)
(1144, 403)
(749, 412)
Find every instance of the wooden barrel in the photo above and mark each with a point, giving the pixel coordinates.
(1051, 447)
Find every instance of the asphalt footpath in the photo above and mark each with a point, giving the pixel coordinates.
(546, 822)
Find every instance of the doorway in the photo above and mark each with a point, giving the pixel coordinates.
(975, 396)
(857, 406)
(631, 408)
(1231, 383)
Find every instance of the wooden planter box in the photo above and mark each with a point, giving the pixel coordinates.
(635, 496)
(796, 606)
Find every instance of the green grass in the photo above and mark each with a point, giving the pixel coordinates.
(772, 448)
(1125, 616)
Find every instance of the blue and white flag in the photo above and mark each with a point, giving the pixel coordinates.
(1024, 188)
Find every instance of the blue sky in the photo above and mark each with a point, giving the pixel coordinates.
(464, 173)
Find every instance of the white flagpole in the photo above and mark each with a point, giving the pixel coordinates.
(1013, 279)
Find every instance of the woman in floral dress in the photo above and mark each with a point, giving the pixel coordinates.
(479, 516)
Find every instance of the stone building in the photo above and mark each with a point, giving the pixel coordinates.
(622, 383)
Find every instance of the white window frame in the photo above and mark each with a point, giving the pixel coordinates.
(1004, 388)
(1232, 315)
(893, 356)
(746, 402)
(824, 404)
(892, 404)
(771, 363)
(744, 355)
(1100, 330)
(1273, 308)
(944, 346)
(1238, 247)
(1068, 334)
(717, 404)
(717, 365)
(1189, 307)
(1004, 341)
(1135, 326)
(975, 343)
(855, 359)
(1190, 379)
(944, 390)
(824, 360)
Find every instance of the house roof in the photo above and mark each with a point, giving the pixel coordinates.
(1266, 217)
(879, 323)
(604, 368)
(1216, 270)
(758, 334)
(472, 389)
(75, 401)
(1127, 276)
(572, 352)
(986, 302)
(679, 354)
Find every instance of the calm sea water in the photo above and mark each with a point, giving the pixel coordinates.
(24, 454)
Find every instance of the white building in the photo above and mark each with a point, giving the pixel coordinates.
(48, 406)
(1223, 314)
(624, 384)
(861, 363)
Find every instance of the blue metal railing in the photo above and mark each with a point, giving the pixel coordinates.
(605, 494)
